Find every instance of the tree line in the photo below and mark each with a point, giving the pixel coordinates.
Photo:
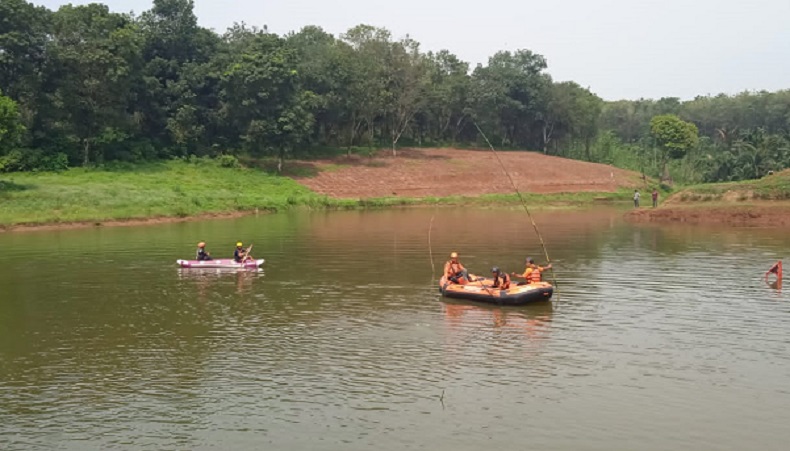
(84, 85)
(741, 137)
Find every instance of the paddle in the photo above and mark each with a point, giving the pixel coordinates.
(480, 280)
(247, 254)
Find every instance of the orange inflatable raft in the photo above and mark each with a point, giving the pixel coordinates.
(482, 290)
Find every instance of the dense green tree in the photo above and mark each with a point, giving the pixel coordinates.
(673, 136)
(368, 85)
(445, 107)
(23, 39)
(174, 49)
(262, 99)
(325, 68)
(96, 58)
(408, 83)
(571, 113)
(11, 127)
(509, 96)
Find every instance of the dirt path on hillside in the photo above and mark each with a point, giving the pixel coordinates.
(448, 172)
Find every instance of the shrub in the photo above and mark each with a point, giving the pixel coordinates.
(228, 161)
(33, 160)
(11, 161)
(55, 163)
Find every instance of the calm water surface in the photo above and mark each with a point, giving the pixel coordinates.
(662, 337)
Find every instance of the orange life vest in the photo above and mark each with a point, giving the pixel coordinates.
(534, 276)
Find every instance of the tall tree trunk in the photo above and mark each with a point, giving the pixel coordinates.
(356, 126)
(371, 129)
(548, 130)
(587, 148)
(86, 151)
(458, 128)
(398, 130)
(445, 127)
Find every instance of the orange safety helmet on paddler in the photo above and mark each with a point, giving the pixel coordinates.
(201, 244)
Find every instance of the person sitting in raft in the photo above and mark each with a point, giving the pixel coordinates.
(455, 271)
(532, 273)
(202, 255)
(240, 254)
(501, 279)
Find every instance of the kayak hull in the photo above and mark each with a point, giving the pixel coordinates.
(482, 291)
(220, 263)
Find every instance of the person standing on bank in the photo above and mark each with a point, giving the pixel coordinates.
(655, 198)
(636, 198)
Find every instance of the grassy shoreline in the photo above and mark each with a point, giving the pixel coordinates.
(179, 190)
(775, 187)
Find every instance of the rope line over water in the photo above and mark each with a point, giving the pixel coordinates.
(430, 249)
(523, 204)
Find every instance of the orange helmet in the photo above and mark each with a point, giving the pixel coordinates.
(201, 244)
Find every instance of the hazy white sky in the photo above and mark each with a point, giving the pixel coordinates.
(618, 48)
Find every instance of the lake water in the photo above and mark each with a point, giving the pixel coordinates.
(662, 337)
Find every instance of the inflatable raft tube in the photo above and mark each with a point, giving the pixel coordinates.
(482, 291)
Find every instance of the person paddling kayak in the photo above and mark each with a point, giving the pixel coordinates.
(240, 254)
(202, 255)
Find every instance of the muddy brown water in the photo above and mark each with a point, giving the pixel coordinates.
(662, 337)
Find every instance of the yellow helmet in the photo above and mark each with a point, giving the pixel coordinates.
(239, 244)
(454, 255)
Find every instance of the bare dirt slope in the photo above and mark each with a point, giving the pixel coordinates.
(756, 214)
(448, 172)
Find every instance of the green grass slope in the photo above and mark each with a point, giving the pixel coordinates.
(772, 187)
(184, 189)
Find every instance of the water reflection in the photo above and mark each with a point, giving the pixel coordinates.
(206, 279)
(507, 329)
(775, 284)
(533, 320)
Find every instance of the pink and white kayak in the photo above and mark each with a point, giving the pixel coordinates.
(220, 263)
